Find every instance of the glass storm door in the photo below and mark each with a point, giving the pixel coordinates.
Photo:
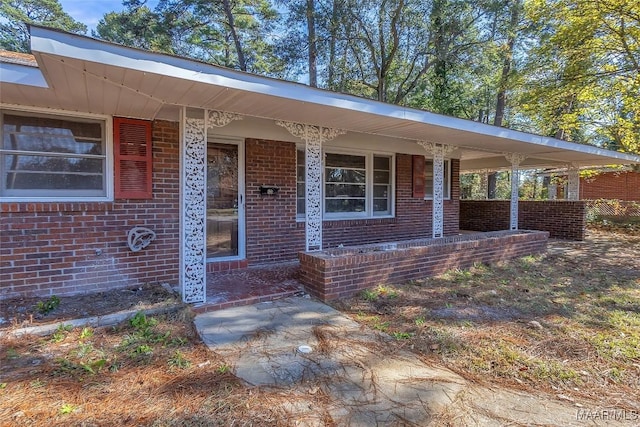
(225, 204)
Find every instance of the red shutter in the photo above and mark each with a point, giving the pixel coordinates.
(133, 158)
(418, 176)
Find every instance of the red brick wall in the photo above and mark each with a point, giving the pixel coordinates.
(561, 218)
(273, 233)
(611, 185)
(66, 248)
(336, 274)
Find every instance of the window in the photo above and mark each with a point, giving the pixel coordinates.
(300, 188)
(381, 185)
(428, 179)
(52, 156)
(355, 185)
(345, 188)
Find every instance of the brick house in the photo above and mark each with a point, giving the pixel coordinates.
(223, 169)
(620, 184)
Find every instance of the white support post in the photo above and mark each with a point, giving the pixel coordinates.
(515, 159)
(573, 187)
(553, 191)
(484, 184)
(193, 199)
(438, 151)
(313, 136)
(193, 280)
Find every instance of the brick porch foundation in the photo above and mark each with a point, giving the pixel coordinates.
(341, 273)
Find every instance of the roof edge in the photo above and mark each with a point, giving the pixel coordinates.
(50, 41)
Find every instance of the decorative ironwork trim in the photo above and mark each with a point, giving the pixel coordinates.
(313, 136)
(193, 271)
(220, 119)
(515, 159)
(438, 151)
(573, 184)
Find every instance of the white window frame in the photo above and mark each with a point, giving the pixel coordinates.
(67, 115)
(369, 168)
(447, 172)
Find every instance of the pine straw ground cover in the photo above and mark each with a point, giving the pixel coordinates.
(148, 371)
(567, 323)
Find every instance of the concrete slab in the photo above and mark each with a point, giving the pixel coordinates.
(366, 382)
(353, 376)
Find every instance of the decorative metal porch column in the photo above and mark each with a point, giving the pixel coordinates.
(438, 151)
(515, 159)
(193, 199)
(553, 191)
(484, 184)
(573, 187)
(313, 136)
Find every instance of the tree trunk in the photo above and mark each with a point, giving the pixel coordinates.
(234, 34)
(491, 185)
(506, 64)
(546, 181)
(333, 37)
(313, 48)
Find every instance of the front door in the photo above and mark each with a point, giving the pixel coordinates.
(225, 200)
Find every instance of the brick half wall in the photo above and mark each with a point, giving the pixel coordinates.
(563, 219)
(341, 273)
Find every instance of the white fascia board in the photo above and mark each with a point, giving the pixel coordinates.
(55, 42)
(25, 75)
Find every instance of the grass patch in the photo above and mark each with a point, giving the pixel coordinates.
(380, 291)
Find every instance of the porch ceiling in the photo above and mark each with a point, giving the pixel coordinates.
(88, 75)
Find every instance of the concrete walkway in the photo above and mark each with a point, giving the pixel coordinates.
(350, 375)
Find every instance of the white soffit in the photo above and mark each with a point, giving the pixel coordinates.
(100, 77)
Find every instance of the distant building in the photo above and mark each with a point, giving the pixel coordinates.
(605, 183)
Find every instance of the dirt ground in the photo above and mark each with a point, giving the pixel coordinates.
(24, 312)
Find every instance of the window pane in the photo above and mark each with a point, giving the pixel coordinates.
(300, 187)
(345, 190)
(15, 162)
(381, 191)
(344, 161)
(381, 163)
(381, 177)
(48, 153)
(51, 126)
(345, 205)
(380, 206)
(445, 182)
(47, 181)
(345, 175)
(51, 143)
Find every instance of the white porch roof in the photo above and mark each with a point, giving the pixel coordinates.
(78, 73)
